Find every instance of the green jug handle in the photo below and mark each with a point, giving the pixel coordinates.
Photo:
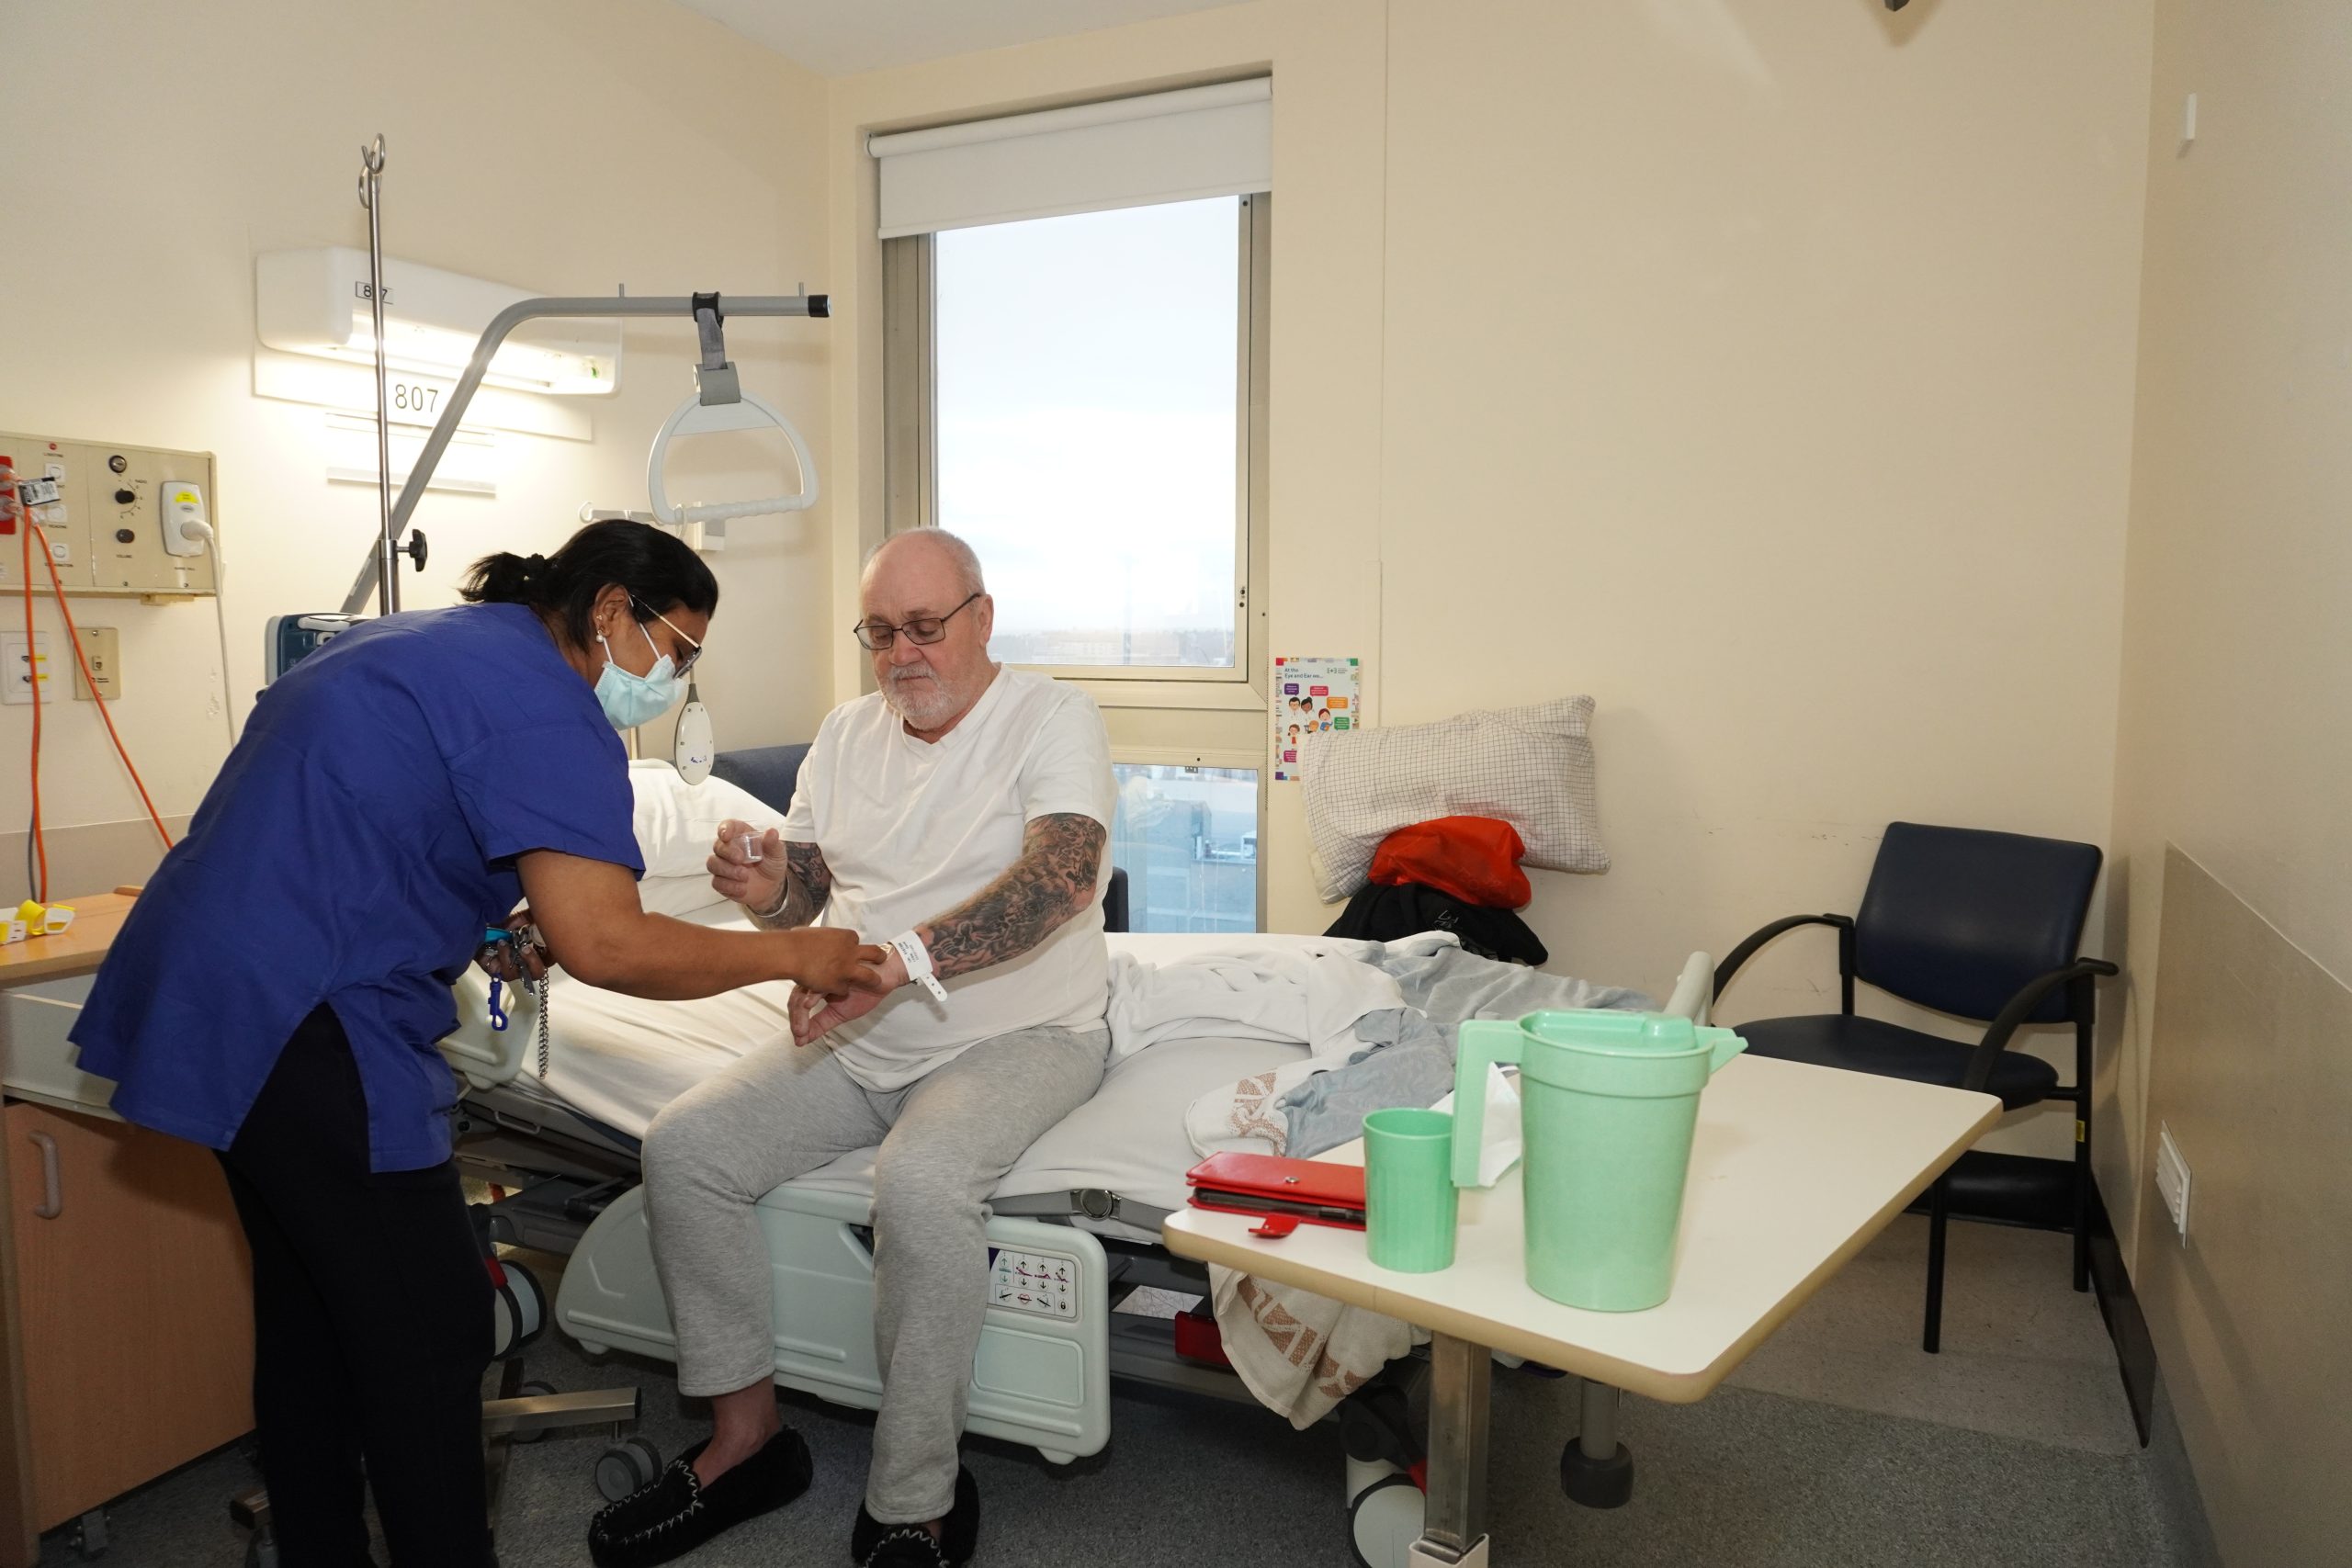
(1722, 1044)
(1477, 1042)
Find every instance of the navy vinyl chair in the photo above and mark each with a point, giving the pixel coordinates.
(1985, 925)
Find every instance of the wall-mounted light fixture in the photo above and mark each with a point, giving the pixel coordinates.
(316, 302)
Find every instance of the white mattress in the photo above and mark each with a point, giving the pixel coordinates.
(619, 1059)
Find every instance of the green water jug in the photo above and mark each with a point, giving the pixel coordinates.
(1609, 1102)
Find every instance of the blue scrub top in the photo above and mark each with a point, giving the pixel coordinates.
(357, 841)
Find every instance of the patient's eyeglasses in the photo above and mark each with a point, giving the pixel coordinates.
(694, 650)
(877, 636)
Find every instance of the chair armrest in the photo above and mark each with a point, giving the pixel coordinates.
(2018, 1010)
(1746, 950)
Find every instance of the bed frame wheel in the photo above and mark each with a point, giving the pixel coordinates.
(627, 1466)
(532, 1388)
(1386, 1518)
(519, 1309)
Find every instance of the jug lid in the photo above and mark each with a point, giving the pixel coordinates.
(1635, 1054)
(1612, 1031)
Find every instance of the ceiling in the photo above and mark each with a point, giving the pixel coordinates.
(839, 37)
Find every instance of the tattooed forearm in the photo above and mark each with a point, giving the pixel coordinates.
(807, 883)
(1053, 880)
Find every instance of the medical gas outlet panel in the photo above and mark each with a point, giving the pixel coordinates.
(112, 516)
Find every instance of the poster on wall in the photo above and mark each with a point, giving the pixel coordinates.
(1311, 696)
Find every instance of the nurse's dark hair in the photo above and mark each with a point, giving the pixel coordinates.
(657, 569)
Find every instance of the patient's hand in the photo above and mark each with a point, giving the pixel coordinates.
(814, 1015)
(756, 885)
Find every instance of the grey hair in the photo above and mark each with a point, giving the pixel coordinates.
(968, 562)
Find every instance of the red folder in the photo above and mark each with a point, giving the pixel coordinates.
(1316, 1192)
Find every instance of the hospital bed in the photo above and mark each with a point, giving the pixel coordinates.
(1078, 1215)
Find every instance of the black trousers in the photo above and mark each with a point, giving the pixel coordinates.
(371, 1324)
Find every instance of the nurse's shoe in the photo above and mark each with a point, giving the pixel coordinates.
(872, 1544)
(674, 1513)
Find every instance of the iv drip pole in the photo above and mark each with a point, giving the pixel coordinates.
(371, 183)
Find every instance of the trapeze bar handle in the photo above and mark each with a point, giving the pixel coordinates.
(692, 418)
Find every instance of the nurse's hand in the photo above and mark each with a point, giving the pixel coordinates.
(517, 959)
(833, 962)
(756, 885)
(814, 1015)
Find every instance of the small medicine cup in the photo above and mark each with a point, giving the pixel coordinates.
(750, 844)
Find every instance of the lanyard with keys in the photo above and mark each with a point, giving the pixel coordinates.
(497, 940)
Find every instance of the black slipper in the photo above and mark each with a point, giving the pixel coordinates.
(674, 1513)
(872, 1544)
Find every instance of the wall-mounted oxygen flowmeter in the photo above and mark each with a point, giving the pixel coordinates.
(112, 516)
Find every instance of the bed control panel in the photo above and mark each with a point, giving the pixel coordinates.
(1033, 1281)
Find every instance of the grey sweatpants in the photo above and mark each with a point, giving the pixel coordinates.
(947, 1139)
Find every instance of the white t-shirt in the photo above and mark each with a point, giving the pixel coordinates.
(912, 829)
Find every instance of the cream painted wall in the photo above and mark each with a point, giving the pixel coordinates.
(1763, 370)
(2235, 741)
(564, 146)
(2236, 729)
(1786, 411)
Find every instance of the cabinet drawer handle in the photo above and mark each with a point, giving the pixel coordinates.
(52, 1201)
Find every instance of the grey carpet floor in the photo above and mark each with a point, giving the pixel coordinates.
(2013, 1460)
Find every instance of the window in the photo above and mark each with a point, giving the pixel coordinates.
(1187, 838)
(1074, 323)
(1087, 411)
(1080, 397)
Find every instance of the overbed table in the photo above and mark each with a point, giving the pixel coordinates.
(1794, 1168)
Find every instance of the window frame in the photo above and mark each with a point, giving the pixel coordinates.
(911, 464)
(1237, 759)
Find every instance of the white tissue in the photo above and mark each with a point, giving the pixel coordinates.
(1499, 1140)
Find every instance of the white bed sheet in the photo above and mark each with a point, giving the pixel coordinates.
(619, 1059)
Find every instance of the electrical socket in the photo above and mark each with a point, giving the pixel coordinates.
(17, 673)
(2172, 1181)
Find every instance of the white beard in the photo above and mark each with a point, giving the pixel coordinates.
(923, 702)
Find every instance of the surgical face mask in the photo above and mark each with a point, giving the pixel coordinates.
(630, 700)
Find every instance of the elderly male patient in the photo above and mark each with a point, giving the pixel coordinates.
(959, 815)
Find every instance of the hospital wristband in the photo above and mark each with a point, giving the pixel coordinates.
(917, 959)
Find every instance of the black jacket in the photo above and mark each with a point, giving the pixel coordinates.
(1383, 914)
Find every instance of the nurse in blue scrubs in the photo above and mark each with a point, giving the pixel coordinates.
(277, 991)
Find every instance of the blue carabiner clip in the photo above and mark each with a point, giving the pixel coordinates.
(491, 936)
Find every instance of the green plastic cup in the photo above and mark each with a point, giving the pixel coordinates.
(1409, 1197)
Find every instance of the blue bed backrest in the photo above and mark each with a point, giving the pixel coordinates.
(771, 771)
(767, 772)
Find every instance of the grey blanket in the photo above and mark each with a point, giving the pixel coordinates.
(1407, 1057)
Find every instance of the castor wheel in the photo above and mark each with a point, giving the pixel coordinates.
(528, 1391)
(625, 1467)
(1596, 1483)
(262, 1552)
(1385, 1519)
(518, 1309)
